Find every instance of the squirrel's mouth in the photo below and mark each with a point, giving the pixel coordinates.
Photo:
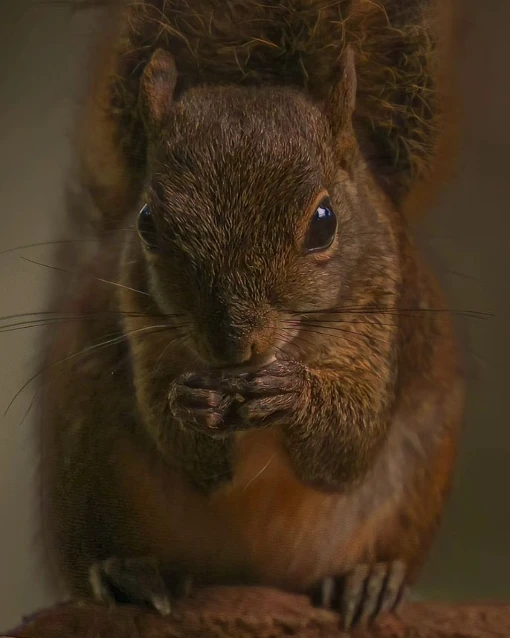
(254, 365)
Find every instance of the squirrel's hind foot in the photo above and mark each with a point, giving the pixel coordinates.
(364, 593)
(135, 581)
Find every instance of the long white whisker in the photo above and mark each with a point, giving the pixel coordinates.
(258, 474)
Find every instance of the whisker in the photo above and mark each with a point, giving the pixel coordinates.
(66, 241)
(281, 350)
(30, 406)
(53, 318)
(258, 473)
(346, 334)
(312, 329)
(361, 322)
(165, 350)
(84, 351)
(116, 283)
(337, 329)
(293, 338)
(70, 272)
(393, 311)
(27, 325)
(186, 341)
(462, 275)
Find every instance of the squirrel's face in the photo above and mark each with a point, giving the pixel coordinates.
(245, 220)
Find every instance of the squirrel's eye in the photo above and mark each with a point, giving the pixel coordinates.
(322, 229)
(147, 229)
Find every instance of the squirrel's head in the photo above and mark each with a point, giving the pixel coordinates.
(251, 209)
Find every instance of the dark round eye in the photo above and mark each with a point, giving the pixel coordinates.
(322, 229)
(147, 229)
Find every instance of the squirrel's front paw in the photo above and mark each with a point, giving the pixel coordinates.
(135, 581)
(197, 402)
(270, 395)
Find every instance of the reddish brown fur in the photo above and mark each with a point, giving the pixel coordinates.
(357, 466)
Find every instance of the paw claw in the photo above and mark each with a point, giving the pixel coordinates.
(365, 593)
(394, 587)
(348, 616)
(130, 581)
(100, 590)
(162, 605)
(352, 594)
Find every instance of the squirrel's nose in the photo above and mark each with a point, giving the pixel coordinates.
(235, 335)
(251, 351)
(233, 354)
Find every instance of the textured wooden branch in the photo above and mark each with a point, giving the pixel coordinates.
(263, 613)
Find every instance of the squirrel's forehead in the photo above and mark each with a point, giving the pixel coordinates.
(239, 176)
(240, 155)
(263, 121)
(230, 153)
(225, 141)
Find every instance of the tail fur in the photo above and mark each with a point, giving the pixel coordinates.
(400, 48)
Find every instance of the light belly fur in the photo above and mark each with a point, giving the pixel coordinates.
(264, 524)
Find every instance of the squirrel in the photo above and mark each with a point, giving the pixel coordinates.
(261, 382)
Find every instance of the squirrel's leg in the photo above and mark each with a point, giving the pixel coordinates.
(138, 581)
(96, 538)
(395, 547)
(88, 506)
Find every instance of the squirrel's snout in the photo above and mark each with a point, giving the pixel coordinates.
(247, 353)
(234, 334)
(233, 349)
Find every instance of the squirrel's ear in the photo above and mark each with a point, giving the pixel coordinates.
(340, 109)
(157, 87)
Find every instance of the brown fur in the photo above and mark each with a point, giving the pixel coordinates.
(355, 464)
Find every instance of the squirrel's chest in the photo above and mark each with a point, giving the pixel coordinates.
(263, 525)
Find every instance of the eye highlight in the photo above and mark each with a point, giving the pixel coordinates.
(322, 228)
(147, 229)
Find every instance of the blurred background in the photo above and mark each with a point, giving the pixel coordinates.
(42, 55)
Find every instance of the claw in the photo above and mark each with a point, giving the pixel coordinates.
(352, 595)
(131, 581)
(394, 587)
(373, 588)
(364, 593)
(327, 592)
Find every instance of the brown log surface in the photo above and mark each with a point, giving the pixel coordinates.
(263, 613)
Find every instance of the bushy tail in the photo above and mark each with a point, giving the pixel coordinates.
(400, 60)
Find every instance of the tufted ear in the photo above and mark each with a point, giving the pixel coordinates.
(157, 88)
(340, 110)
